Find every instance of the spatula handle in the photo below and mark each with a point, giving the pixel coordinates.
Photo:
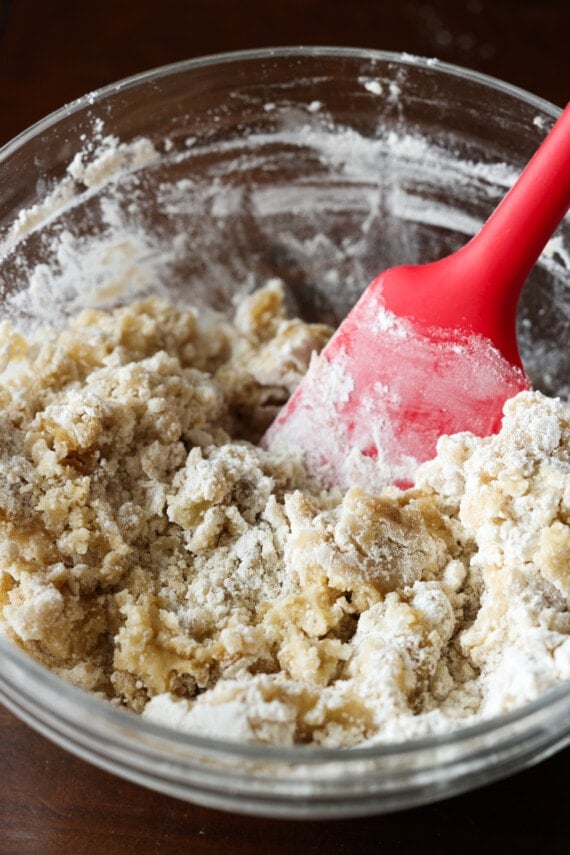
(512, 239)
(492, 268)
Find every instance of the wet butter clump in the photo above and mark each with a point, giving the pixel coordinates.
(152, 553)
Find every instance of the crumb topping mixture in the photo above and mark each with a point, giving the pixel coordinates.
(152, 553)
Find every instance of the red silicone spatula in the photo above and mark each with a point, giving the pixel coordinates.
(428, 350)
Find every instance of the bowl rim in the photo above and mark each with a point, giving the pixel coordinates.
(94, 712)
(288, 52)
(97, 712)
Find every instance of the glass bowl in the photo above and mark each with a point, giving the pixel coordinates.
(200, 181)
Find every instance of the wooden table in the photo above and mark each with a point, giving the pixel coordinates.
(50, 53)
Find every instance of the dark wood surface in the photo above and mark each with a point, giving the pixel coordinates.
(52, 52)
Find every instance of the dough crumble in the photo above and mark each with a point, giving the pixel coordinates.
(152, 553)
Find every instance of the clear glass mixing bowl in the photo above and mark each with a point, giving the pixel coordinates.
(200, 181)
